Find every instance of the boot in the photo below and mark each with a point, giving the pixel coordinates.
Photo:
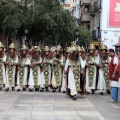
(93, 91)
(87, 93)
(13, 89)
(59, 90)
(74, 97)
(30, 90)
(36, 89)
(108, 92)
(0, 88)
(54, 90)
(24, 89)
(41, 89)
(7, 89)
(47, 89)
(18, 90)
(101, 93)
(63, 91)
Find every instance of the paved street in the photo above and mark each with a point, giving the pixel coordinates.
(56, 106)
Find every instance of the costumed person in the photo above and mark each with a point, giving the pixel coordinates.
(103, 79)
(11, 64)
(63, 87)
(114, 75)
(57, 67)
(2, 66)
(82, 57)
(24, 62)
(47, 63)
(72, 72)
(36, 78)
(91, 69)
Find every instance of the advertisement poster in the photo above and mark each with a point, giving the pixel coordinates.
(114, 13)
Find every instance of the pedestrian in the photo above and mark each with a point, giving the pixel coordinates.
(114, 75)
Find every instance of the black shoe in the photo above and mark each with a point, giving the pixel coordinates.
(59, 90)
(41, 90)
(87, 93)
(30, 90)
(24, 89)
(101, 93)
(0, 88)
(36, 89)
(54, 90)
(93, 91)
(63, 92)
(7, 89)
(18, 90)
(75, 97)
(47, 89)
(13, 89)
(108, 92)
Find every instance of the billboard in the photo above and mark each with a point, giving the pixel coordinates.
(114, 13)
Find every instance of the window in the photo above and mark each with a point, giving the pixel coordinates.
(86, 9)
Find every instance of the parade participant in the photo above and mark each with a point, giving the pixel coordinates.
(72, 72)
(11, 62)
(36, 78)
(24, 62)
(103, 79)
(114, 75)
(82, 58)
(91, 69)
(57, 67)
(47, 62)
(63, 88)
(2, 66)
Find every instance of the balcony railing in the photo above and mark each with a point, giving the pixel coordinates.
(97, 5)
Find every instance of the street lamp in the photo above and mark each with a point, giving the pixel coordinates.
(77, 33)
(26, 32)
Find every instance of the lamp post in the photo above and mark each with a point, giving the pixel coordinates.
(77, 33)
(26, 32)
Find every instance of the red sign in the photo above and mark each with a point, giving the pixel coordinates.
(114, 13)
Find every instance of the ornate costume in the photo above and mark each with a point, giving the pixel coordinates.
(12, 61)
(24, 62)
(2, 66)
(103, 79)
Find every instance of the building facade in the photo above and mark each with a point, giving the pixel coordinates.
(102, 18)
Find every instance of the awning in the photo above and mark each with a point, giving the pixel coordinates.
(96, 43)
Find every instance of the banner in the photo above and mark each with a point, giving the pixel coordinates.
(114, 13)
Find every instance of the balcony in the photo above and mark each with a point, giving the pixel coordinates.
(97, 5)
(91, 11)
(85, 2)
(85, 18)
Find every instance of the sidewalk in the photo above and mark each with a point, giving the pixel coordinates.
(56, 106)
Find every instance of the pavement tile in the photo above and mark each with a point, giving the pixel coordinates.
(63, 108)
(42, 118)
(16, 117)
(42, 108)
(93, 115)
(67, 117)
(42, 113)
(58, 113)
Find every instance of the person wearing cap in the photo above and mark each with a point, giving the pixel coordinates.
(57, 65)
(11, 62)
(2, 66)
(103, 78)
(114, 75)
(72, 73)
(91, 69)
(47, 67)
(36, 78)
(24, 62)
